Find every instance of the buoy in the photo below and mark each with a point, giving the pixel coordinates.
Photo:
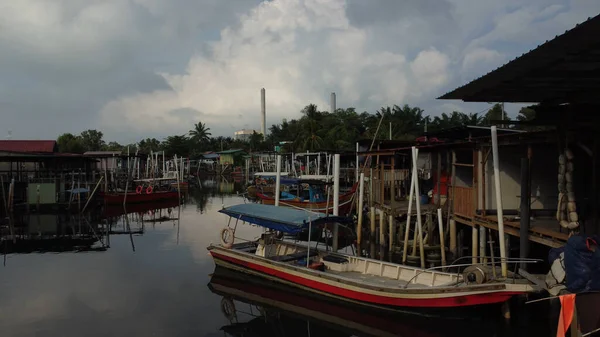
(228, 308)
(227, 237)
(139, 189)
(149, 190)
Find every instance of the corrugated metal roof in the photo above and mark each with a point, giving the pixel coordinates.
(102, 153)
(29, 146)
(562, 70)
(230, 151)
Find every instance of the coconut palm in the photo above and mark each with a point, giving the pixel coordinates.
(200, 133)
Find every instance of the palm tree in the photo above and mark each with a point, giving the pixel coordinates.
(200, 133)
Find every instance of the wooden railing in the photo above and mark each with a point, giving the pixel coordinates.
(463, 201)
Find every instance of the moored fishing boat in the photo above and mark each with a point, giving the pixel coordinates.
(310, 196)
(275, 300)
(355, 279)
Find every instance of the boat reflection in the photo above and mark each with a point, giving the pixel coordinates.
(271, 309)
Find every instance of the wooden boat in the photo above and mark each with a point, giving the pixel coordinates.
(275, 300)
(355, 279)
(132, 197)
(315, 201)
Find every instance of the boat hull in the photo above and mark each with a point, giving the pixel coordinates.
(345, 203)
(315, 281)
(118, 198)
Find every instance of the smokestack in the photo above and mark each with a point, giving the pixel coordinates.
(263, 112)
(332, 102)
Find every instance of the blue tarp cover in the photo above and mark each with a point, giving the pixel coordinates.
(284, 219)
(582, 263)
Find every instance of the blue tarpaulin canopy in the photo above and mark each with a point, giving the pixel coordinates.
(284, 219)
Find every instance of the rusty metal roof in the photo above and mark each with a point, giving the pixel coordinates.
(565, 69)
(29, 146)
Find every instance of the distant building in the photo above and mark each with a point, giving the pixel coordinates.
(243, 134)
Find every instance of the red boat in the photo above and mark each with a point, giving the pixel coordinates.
(132, 197)
(351, 278)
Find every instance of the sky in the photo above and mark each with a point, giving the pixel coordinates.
(152, 68)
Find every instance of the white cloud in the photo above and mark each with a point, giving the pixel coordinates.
(299, 51)
(139, 68)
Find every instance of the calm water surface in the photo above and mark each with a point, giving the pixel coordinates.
(162, 282)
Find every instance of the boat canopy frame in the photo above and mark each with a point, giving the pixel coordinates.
(283, 219)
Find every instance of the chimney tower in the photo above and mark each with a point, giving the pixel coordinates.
(263, 112)
(332, 102)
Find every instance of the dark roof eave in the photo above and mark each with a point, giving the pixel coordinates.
(556, 50)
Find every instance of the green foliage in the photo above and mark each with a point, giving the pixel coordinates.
(92, 140)
(69, 143)
(495, 115)
(314, 130)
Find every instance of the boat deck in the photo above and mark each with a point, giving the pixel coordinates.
(369, 279)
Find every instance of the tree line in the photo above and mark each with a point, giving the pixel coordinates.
(314, 130)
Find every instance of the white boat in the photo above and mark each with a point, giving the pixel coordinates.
(346, 277)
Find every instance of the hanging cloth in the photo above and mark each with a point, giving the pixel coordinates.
(567, 308)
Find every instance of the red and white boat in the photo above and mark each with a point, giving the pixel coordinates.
(346, 277)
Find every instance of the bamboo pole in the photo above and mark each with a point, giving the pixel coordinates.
(381, 234)
(474, 245)
(361, 191)
(408, 215)
(442, 238)
(92, 194)
(417, 194)
(500, 211)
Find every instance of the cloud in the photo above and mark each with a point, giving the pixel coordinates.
(299, 51)
(151, 68)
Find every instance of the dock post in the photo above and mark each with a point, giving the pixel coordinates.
(411, 198)
(372, 232)
(499, 201)
(474, 245)
(381, 235)
(442, 238)
(452, 226)
(524, 210)
(361, 192)
(418, 201)
(357, 161)
(482, 245)
(391, 230)
(278, 180)
(336, 198)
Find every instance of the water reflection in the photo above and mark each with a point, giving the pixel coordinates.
(151, 279)
(255, 307)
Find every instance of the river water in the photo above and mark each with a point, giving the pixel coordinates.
(162, 282)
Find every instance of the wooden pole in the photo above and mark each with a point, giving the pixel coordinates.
(474, 245)
(336, 198)
(439, 180)
(524, 210)
(417, 197)
(372, 232)
(361, 191)
(442, 239)
(391, 233)
(278, 180)
(381, 234)
(91, 195)
(411, 198)
(450, 202)
(500, 211)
